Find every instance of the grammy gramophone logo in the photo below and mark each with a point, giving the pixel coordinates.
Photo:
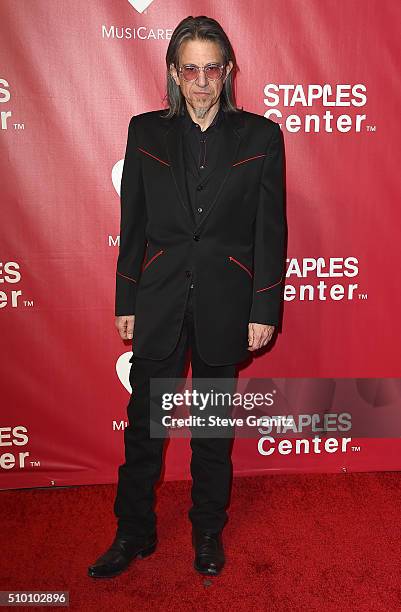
(140, 5)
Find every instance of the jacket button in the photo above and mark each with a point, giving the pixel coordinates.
(196, 237)
(199, 187)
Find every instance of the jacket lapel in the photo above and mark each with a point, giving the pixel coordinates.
(231, 137)
(175, 155)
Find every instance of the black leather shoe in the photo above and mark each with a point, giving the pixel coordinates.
(120, 554)
(209, 553)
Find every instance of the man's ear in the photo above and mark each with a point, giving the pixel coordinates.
(173, 72)
(229, 67)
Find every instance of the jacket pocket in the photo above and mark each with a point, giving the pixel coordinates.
(152, 259)
(152, 156)
(249, 159)
(241, 265)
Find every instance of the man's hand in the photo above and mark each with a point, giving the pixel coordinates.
(125, 325)
(259, 335)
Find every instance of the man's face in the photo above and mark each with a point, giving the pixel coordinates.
(201, 94)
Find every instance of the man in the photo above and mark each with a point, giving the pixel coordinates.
(201, 266)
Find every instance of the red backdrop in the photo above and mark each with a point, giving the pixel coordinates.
(72, 75)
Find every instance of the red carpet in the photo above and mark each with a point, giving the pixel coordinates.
(294, 542)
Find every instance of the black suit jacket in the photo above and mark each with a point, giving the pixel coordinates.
(234, 253)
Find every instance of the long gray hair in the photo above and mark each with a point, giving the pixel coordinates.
(199, 28)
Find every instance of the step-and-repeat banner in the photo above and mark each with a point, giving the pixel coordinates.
(72, 74)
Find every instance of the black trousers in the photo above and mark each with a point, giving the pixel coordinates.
(211, 466)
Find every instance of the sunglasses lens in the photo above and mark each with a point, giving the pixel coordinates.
(189, 73)
(213, 72)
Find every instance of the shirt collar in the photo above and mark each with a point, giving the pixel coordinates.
(188, 122)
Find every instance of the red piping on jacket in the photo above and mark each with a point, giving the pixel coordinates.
(240, 264)
(270, 286)
(249, 158)
(151, 259)
(129, 278)
(154, 156)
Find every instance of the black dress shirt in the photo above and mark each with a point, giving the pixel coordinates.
(201, 154)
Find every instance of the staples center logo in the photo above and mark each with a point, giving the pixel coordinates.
(140, 5)
(13, 437)
(332, 107)
(9, 276)
(316, 271)
(5, 98)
